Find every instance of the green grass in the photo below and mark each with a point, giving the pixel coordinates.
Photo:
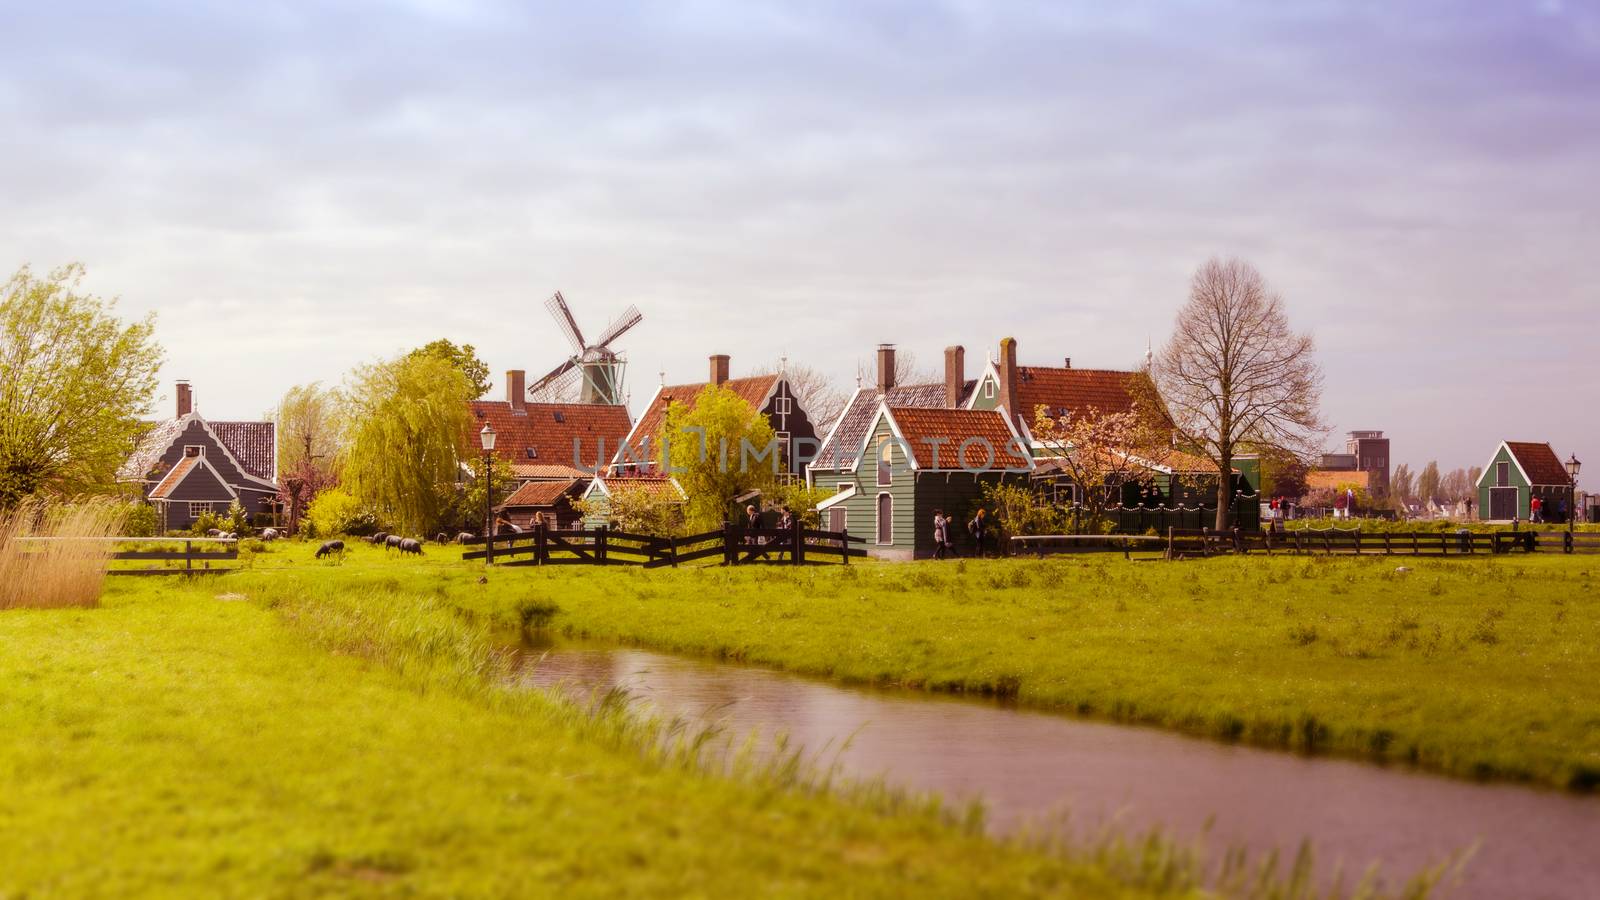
(1476, 667)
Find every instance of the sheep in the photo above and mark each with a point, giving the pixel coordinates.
(441, 538)
(392, 542)
(464, 536)
(330, 548)
(213, 532)
(269, 534)
(410, 545)
(378, 537)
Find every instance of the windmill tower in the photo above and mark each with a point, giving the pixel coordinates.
(594, 372)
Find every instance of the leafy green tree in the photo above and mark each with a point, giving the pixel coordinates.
(408, 421)
(636, 510)
(464, 358)
(469, 505)
(73, 380)
(1428, 481)
(719, 447)
(333, 512)
(310, 443)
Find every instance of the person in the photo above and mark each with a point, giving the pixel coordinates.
(752, 523)
(1338, 506)
(1349, 502)
(1561, 510)
(979, 528)
(1536, 507)
(785, 524)
(941, 535)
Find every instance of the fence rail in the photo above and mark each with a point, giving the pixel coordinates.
(196, 560)
(1181, 543)
(544, 546)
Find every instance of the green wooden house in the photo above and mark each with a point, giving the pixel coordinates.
(1518, 472)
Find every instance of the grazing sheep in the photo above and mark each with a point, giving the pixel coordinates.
(464, 536)
(411, 545)
(441, 538)
(229, 536)
(213, 532)
(392, 542)
(330, 548)
(269, 534)
(378, 538)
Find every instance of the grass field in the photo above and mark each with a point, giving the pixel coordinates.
(1477, 667)
(184, 741)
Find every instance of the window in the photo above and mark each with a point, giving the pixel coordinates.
(533, 453)
(885, 456)
(1502, 474)
(196, 510)
(781, 406)
(988, 389)
(783, 451)
(560, 416)
(194, 450)
(843, 486)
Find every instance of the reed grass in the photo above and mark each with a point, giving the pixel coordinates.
(55, 554)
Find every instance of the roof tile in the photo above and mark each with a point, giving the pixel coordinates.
(551, 430)
(937, 438)
(1540, 462)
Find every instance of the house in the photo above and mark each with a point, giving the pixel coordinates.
(772, 395)
(1516, 473)
(911, 460)
(551, 500)
(188, 466)
(658, 489)
(547, 441)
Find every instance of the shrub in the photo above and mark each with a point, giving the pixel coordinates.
(335, 511)
(140, 520)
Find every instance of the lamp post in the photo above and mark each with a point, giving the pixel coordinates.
(486, 437)
(1573, 465)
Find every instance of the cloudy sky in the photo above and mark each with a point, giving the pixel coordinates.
(297, 188)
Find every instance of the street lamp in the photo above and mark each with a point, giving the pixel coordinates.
(486, 436)
(1573, 465)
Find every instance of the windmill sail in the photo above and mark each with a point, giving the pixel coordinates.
(594, 372)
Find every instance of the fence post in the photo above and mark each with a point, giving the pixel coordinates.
(1566, 542)
(1205, 540)
(798, 557)
(1238, 541)
(539, 547)
(730, 555)
(600, 544)
(844, 546)
(1170, 536)
(188, 556)
(1358, 540)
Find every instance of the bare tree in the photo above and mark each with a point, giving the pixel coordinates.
(1235, 374)
(1100, 452)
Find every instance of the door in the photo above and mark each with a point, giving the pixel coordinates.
(1503, 503)
(836, 519)
(885, 519)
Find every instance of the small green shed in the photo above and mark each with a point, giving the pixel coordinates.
(1518, 472)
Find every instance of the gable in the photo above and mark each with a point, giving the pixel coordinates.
(193, 479)
(640, 444)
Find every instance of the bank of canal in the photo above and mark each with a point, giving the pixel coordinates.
(1029, 768)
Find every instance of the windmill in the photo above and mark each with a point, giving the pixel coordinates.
(593, 374)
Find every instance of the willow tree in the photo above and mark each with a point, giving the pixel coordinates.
(719, 447)
(73, 380)
(408, 421)
(1235, 375)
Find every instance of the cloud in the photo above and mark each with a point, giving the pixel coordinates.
(297, 188)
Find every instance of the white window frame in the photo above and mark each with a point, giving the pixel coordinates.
(198, 508)
(877, 516)
(843, 486)
(200, 450)
(781, 406)
(885, 467)
(988, 389)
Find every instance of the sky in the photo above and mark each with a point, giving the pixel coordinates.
(298, 188)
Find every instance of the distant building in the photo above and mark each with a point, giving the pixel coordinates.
(1364, 451)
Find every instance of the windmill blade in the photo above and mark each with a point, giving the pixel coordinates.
(557, 305)
(553, 374)
(563, 388)
(630, 317)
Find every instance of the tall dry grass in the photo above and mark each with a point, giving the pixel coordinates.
(54, 554)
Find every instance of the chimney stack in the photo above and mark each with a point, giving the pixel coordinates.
(719, 368)
(885, 368)
(185, 398)
(955, 375)
(1069, 362)
(517, 390)
(1007, 365)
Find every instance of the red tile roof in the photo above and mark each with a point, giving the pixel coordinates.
(1540, 463)
(1071, 391)
(253, 444)
(550, 430)
(174, 477)
(752, 390)
(540, 493)
(546, 472)
(661, 487)
(936, 437)
(1336, 478)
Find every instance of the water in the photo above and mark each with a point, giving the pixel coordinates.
(1029, 767)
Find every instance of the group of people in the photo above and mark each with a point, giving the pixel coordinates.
(944, 545)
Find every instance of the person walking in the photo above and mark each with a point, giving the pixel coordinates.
(1536, 508)
(752, 524)
(941, 535)
(979, 529)
(785, 525)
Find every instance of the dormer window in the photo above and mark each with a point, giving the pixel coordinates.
(533, 453)
(560, 416)
(194, 450)
(988, 390)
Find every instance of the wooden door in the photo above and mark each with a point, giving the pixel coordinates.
(1503, 503)
(885, 519)
(836, 518)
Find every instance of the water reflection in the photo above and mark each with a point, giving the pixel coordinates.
(1029, 767)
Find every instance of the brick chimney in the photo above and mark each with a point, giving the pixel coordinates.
(955, 374)
(719, 368)
(1007, 364)
(517, 390)
(885, 368)
(185, 398)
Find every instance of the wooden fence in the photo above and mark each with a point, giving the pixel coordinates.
(544, 546)
(197, 560)
(1181, 543)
